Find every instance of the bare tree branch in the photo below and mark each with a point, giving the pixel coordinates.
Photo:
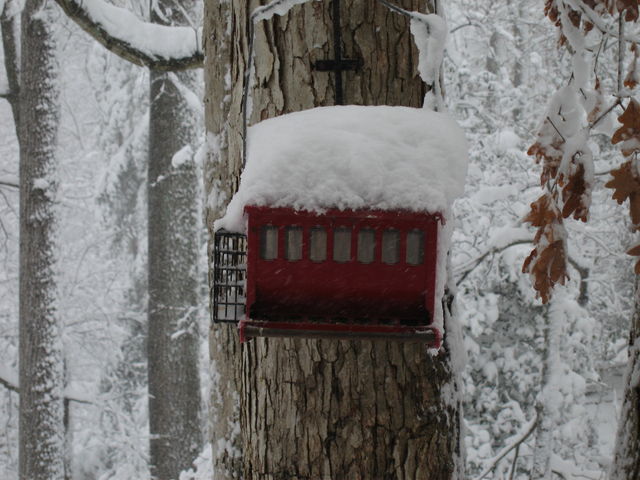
(465, 270)
(137, 45)
(9, 385)
(5, 183)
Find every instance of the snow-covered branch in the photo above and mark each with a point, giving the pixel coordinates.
(276, 7)
(570, 471)
(188, 95)
(503, 239)
(508, 237)
(464, 270)
(10, 383)
(516, 442)
(160, 47)
(9, 380)
(598, 22)
(9, 183)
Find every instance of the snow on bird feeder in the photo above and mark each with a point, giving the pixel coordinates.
(344, 211)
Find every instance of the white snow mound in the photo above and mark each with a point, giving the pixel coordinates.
(352, 157)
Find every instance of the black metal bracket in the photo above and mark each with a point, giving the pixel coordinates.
(339, 64)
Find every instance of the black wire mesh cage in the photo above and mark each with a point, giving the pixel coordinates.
(229, 276)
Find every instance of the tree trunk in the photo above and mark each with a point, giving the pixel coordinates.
(41, 364)
(313, 409)
(174, 238)
(221, 175)
(9, 28)
(545, 410)
(626, 457)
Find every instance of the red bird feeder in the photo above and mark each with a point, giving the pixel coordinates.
(343, 274)
(336, 229)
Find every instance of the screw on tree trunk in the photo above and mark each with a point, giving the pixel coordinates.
(338, 64)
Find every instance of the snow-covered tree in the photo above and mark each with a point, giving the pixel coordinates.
(42, 449)
(583, 106)
(174, 237)
(276, 374)
(523, 392)
(505, 327)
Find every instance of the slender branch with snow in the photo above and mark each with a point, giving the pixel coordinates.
(599, 23)
(10, 382)
(159, 47)
(517, 441)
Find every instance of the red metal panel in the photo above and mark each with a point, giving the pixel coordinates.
(280, 289)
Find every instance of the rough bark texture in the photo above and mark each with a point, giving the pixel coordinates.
(332, 410)
(9, 28)
(323, 409)
(41, 365)
(221, 180)
(626, 456)
(173, 236)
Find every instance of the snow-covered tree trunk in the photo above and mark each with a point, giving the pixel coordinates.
(317, 408)
(10, 31)
(173, 239)
(221, 175)
(626, 461)
(41, 364)
(545, 407)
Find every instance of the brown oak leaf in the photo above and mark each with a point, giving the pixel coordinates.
(547, 150)
(551, 11)
(541, 212)
(631, 80)
(634, 209)
(629, 7)
(635, 251)
(629, 132)
(547, 268)
(573, 196)
(624, 182)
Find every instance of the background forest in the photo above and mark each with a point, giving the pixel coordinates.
(501, 66)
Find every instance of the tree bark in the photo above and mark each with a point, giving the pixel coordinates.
(41, 364)
(626, 455)
(221, 176)
(9, 27)
(313, 409)
(174, 239)
(546, 412)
